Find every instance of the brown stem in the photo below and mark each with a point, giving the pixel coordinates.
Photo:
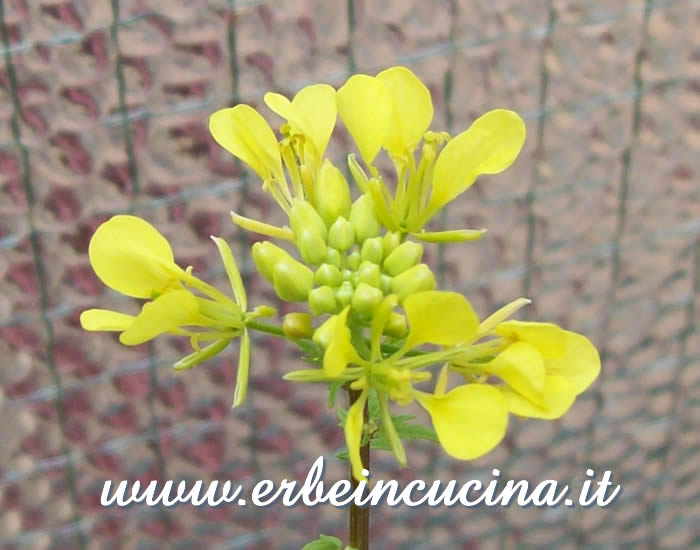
(359, 517)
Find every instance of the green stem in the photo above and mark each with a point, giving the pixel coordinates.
(274, 330)
(359, 517)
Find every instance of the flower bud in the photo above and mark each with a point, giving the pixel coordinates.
(366, 299)
(363, 218)
(390, 242)
(303, 216)
(413, 280)
(385, 283)
(333, 257)
(396, 327)
(322, 300)
(344, 293)
(312, 247)
(292, 281)
(404, 256)
(332, 193)
(373, 250)
(369, 273)
(341, 235)
(328, 275)
(266, 255)
(297, 325)
(353, 260)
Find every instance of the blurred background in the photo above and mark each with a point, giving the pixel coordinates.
(104, 108)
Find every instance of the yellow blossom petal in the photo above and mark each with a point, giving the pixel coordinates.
(354, 422)
(167, 312)
(243, 132)
(412, 109)
(500, 315)
(243, 369)
(130, 256)
(520, 366)
(488, 146)
(437, 317)
(263, 228)
(105, 319)
(548, 338)
(340, 350)
(364, 104)
(469, 421)
(580, 363)
(557, 397)
(312, 113)
(234, 276)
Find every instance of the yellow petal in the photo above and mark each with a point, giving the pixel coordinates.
(489, 146)
(167, 312)
(412, 109)
(436, 317)
(104, 319)
(379, 323)
(354, 423)
(234, 276)
(452, 236)
(364, 105)
(520, 366)
(580, 363)
(340, 350)
(469, 421)
(263, 228)
(548, 338)
(500, 315)
(312, 112)
(557, 397)
(243, 369)
(243, 132)
(130, 256)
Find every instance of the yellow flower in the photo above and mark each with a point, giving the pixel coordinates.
(558, 365)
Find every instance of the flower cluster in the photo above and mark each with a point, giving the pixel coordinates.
(371, 306)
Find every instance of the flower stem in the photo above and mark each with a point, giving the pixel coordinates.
(359, 517)
(275, 330)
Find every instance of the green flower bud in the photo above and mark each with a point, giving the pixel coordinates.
(366, 299)
(297, 325)
(312, 247)
(413, 280)
(344, 293)
(406, 255)
(266, 255)
(341, 235)
(396, 327)
(353, 260)
(385, 283)
(390, 242)
(332, 193)
(333, 257)
(303, 216)
(369, 273)
(363, 218)
(323, 334)
(322, 300)
(328, 275)
(373, 250)
(292, 281)
(347, 275)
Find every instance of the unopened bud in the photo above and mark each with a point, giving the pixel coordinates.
(353, 260)
(297, 325)
(373, 250)
(333, 257)
(385, 283)
(369, 273)
(344, 293)
(341, 235)
(322, 300)
(363, 218)
(292, 281)
(303, 216)
(416, 279)
(266, 256)
(366, 299)
(404, 256)
(396, 327)
(390, 242)
(328, 275)
(312, 247)
(332, 193)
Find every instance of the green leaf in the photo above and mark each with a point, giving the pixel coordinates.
(311, 352)
(416, 431)
(333, 392)
(373, 405)
(324, 542)
(342, 415)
